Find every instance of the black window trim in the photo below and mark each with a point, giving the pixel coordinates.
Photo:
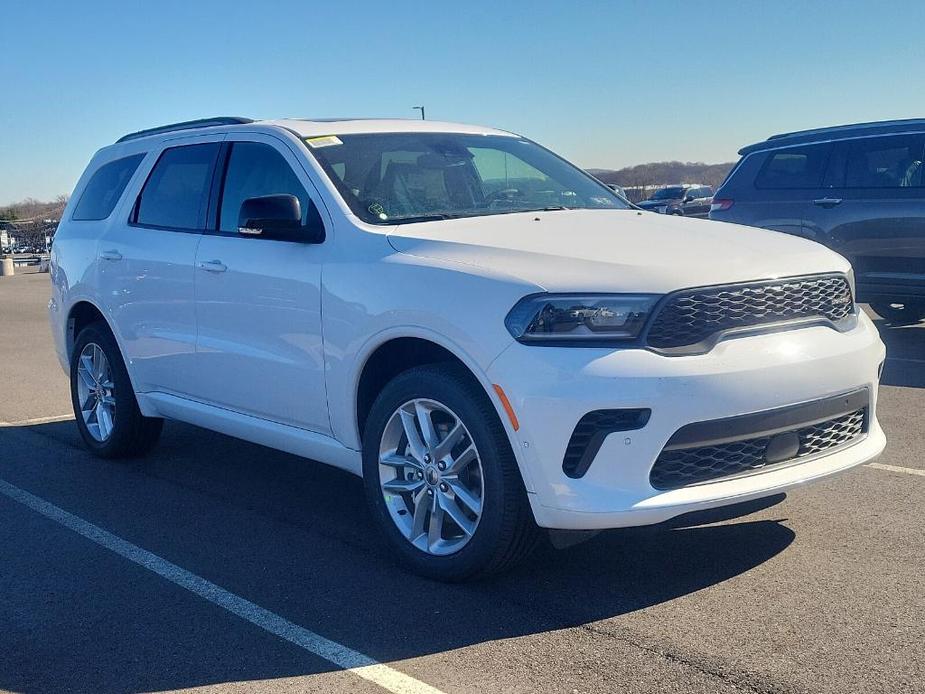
(203, 213)
(217, 193)
(141, 157)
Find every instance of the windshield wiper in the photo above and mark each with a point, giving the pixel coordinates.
(419, 218)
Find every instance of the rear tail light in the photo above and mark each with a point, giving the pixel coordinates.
(720, 205)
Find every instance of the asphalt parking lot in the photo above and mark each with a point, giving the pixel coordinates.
(222, 566)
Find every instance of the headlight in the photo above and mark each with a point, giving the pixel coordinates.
(586, 318)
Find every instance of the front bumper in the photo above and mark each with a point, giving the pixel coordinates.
(551, 388)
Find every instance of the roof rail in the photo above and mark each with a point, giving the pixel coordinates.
(186, 125)
(851, 126)
(887, 127)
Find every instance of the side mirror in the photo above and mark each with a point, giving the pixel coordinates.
(279, 217)
(688, 198)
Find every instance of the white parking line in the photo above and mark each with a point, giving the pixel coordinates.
(894, 468)
(341, 656)
(37, 420)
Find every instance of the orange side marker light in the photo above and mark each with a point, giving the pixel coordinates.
(507, 406)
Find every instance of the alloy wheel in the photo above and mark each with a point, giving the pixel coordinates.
(430, 475)
(95, 392)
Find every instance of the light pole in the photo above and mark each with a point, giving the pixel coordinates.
(419, 108)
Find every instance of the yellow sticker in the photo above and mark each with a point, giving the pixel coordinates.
(323, 141)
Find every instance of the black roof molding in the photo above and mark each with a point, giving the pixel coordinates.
(837, 132)
(187, 125)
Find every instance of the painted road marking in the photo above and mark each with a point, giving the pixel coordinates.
(893, 468)
(341, 656)
(37, 420)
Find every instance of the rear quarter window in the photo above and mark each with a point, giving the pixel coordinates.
(104, 189)
(797, 167)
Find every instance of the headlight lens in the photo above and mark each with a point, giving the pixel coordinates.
(550, 318)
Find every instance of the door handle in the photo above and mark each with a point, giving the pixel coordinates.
(827, 202)
(212, 266)
(111, 255)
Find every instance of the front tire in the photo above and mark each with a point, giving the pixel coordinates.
(105, 407)
(900, 314)
(441, 479)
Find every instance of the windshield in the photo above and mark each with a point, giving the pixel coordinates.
(669, 193)
(394, 178)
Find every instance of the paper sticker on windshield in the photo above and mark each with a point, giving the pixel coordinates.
(324, 141)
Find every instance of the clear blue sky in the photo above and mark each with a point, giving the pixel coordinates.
(606, 84)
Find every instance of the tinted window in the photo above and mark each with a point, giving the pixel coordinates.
(886, 162)
(799, 167)
(176, 191)
(669, 193)
(255, 170)
(105, 188)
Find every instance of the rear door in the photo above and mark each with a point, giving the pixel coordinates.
(258, 300)
(146, 266)
(872, 210)
(777, 195)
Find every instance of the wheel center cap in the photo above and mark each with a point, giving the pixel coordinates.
(431, 475)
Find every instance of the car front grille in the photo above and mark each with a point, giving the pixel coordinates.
(682, 467)
(692, 319)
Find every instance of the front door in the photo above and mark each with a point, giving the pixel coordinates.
(258, 301)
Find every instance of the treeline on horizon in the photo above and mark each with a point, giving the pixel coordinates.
(32, 209)
(663, 173)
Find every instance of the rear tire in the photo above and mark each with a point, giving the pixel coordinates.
(105, 407)
(900, 313)
(501, 533)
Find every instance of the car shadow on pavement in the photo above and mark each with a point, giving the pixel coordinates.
(293, 537)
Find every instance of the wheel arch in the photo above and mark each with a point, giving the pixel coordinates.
(81, 314)
(395, 353)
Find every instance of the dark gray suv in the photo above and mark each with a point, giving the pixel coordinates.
(859, 189)
(687, 199)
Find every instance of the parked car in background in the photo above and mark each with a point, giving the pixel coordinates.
(490, 337)
(688, 200)
(858, 189)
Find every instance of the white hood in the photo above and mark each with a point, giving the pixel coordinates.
(616, 250)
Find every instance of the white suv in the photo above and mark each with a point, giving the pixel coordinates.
(491, 338)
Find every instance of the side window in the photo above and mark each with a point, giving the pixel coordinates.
(797, 167)
(175, 194)
(884, 162)
(254, 170)
(104, 189)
